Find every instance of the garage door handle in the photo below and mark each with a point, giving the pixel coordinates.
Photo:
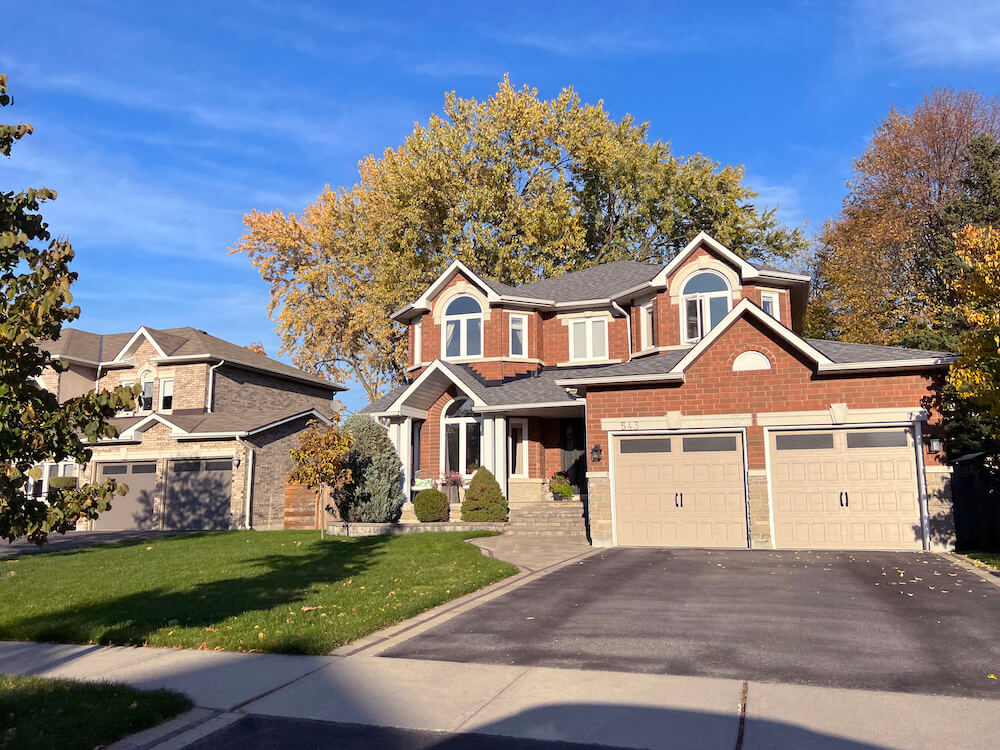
(675, 501)
(841, 499)
(682, 499)
(847, 500)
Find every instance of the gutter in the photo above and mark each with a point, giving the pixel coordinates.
(881, 366)
(668, 377)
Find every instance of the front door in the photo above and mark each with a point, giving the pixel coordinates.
(573, 443)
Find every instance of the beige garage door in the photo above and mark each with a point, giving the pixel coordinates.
(680, 491)
(845, 489)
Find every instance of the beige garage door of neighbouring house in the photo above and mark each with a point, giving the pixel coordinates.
(845, 489)
(680, 491)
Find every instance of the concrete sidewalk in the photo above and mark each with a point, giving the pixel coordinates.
(609, 708)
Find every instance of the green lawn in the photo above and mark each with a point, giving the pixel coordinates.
(37, 713)
(990, 558)
(280, 591)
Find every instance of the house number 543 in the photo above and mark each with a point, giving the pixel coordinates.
(629, 425)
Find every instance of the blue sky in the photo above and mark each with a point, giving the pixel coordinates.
(161, 124)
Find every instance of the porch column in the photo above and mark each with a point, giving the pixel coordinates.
(500, 453)
(486, 452)
(406, 456)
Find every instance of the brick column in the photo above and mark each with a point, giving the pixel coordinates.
(939, 509)
(760, 515)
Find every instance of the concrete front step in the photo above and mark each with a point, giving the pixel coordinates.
(561, 534)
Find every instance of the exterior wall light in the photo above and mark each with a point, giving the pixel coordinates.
(935, 445)
(236, 462)
(595, 454)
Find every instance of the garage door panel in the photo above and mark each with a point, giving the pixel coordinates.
(710, 476)
(135, 509)
(199, 494)
(873, 471)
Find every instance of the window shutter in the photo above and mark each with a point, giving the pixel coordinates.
(598, 340)
(578, 341)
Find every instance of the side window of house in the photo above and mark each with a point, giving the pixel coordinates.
(588, 339)
(129, 384)
(648, 327)
(769, 304)
(705, 301)
(167, 394)
(463, 328)
(519, 335)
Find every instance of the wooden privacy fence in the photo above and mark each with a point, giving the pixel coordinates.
(975, 490)
(304, 507)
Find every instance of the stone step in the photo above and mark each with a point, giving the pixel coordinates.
(556, 534)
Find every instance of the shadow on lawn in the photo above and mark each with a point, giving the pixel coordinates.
(132, 619)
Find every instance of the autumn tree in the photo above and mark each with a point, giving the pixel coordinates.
(884, 264)
(34, 427)
(976, 376)
(256, 347)
(518, 188)
(320, 458)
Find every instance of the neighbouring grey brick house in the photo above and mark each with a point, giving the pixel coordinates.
(207, 446)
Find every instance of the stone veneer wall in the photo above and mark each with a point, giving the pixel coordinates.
(760, 510)
(939, 509)
(527, 490)
(599, 509)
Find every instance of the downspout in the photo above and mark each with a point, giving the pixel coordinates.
(628, 325)
(248, 490)
(210, 393)
(925, 527)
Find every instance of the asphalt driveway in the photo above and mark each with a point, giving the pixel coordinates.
(75, 540)
(905, 622)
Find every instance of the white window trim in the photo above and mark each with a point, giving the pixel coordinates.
(161, 394)
(127, 412)
(647, 315)
(523, 424)
(462, 440)
(61, 471)
(589, 353)
(704, 299)
(146, 376)
(463, 344)
(524, 337)
(775, 298)
(418, 342)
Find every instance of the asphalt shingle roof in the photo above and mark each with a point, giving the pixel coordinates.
(230, 421)
(843, 352)
(599, 282)
(175, 342)
(383, 402)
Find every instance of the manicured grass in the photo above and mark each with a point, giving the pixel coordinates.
(990, 558)
(280, 591)
(37, 713)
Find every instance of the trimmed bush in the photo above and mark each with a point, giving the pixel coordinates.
(431, 506)
(375, 494)
(483, 500)
(62, 483)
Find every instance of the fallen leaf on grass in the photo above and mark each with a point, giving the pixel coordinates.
(148, 549)
(310, 609)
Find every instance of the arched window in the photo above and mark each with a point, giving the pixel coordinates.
(462, 430)
(463, 328)
(704, 302)
(146, 399)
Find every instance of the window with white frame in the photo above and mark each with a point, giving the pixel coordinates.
(518, 335)
(646, 325)
(167, 394)
(462, 438)
(463, 328)
(128, 384)
(588, 339)
(39, 488)
(518, 447)
(769, 304)
(705, 301)
(418, 342)
(145, 400)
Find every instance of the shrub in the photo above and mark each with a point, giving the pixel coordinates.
(560, 486)
(483, 500)
(62, 483)
(375, 494)
(431, 506)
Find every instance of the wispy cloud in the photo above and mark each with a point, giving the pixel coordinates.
(603, 43)
(785, 197)
(929, 33)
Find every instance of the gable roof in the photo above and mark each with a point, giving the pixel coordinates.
(605, 281)
(173, 345)
(218, 424)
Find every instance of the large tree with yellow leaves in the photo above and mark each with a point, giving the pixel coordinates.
(518, 188)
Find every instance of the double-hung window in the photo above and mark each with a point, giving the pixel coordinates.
(769, 304)
(647, 329)
(167, 394)
(705, 302)
(588, 339)
(518, 335)
(462, 430)
(463, 328)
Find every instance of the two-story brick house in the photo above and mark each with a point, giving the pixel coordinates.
(682, 399)
(207, 445)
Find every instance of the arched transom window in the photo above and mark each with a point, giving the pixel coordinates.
(704, 302)
(462, 429)
(463, 328)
